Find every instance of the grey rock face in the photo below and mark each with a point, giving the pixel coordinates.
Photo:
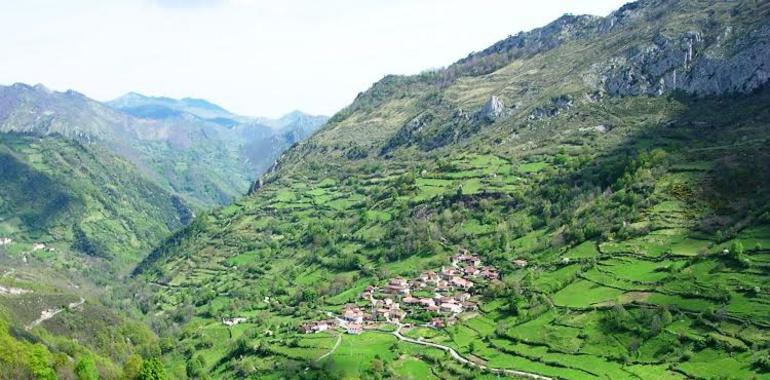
(492, 110)
(557, 104)
(408, 132)
(688, 63)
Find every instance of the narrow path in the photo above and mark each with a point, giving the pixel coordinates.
(49, 313)
(463, 360)
(339, 340)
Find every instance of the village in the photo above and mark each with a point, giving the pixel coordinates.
(438, 297)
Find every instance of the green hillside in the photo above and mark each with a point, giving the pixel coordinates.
(615, 171)
(73, 219)
(74, 197)
(190, 147)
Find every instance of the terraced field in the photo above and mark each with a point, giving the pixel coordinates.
(631, 226)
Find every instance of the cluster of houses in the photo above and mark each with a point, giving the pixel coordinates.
(443, 295)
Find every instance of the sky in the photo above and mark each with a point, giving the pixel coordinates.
(253, 57)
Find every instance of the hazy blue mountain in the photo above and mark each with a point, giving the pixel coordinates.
(190, 146)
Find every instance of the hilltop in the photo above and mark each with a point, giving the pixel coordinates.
(612, 169)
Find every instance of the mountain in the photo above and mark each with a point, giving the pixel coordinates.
(73, 218)
(189, 146)
(162, 107)
(598, 187)
(86, 191)
(258, 141)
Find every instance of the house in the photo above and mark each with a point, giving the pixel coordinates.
(427, 302)
(410, 300)
(449, 272)
(520, 263)
(354, 328)
(397, 314)
(37, 246)
(382, 312)
(462, 296)
(467, 258)
(489, 273)
(429, 277)
(229, 322)
(4, 241)
(437, 323)
(316, 327)
(397, 286)
(471, 271)
(451, 307)
(460, 282)
(353, 314)
(475, 261)
(468, 305)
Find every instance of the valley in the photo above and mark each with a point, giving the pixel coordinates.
(585, 200)
(85, 193)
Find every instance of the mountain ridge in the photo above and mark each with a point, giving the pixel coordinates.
(204, 139)
(618, 209)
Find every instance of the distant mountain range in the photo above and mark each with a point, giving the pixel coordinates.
(191, 147)
(108, 180)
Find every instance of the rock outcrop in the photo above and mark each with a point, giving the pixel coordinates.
(689, 62)
(493, 109)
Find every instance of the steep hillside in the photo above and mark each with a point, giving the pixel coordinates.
(85, 192)
(73, 196)
(223, 151)
(73, 218)
(611, 174)
(191, 147)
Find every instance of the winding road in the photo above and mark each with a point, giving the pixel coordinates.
(48, 314)
(456, 356)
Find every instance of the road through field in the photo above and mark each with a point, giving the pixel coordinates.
(339, 340)
(456, 356)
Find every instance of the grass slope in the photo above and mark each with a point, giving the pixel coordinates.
(644, 221)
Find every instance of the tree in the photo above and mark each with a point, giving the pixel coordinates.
(737, 248)
(194, 367)
(152, 369)
(132, 367)
(655, 325)
(665, 317)
(513, 305)
(39, 363)
(86, 369)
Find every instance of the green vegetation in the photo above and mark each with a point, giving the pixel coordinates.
(80, 199)
(631, 232)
